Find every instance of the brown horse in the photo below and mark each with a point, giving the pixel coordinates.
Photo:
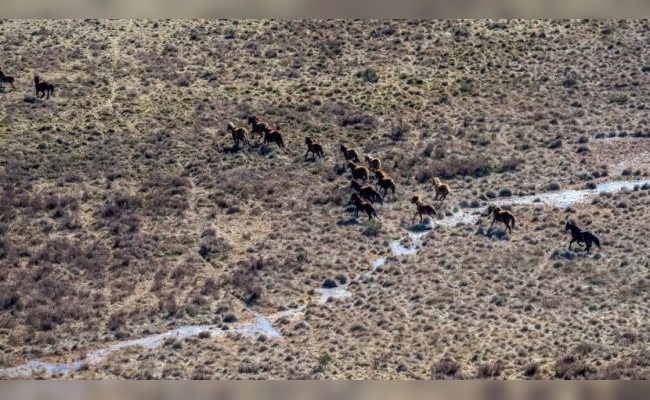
(423, 208)
(501, 215)
(258, 126)
(350, 153)
(274, 136)
(366, 191)
(385, 182)
(44, 87)
(359, 171)
(7, 79)
(314, 147)
(374, 163)
(442, 189)
(238, 134)
(361, 204)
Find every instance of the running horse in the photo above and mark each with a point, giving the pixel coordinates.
(580, 236)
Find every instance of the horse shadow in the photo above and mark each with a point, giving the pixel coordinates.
(311, 159)
(421, 226)
(348, 221)
(499, 234)
(232, 149)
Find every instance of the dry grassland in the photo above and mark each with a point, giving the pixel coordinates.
(125, 209)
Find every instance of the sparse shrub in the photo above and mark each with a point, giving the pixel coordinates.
(245, 277)
(554, 186)
(569, 367)
(271, 53)
(116, 320)
(329, 284)
(357, 121)
(569, 82)
(556, 144)
(584, 348)
(399, 132)
(466, 87)
(248, 368)
(372, 227)
(531, 369)
(459, 32)
(323, 362)
(368, 75)
(213, 246)
(505, 192)
(424, 175)
(619, 98)
(229, 33)
(510, 164)
(445, 368)
(488, 370)
(341, 278)
(428, 150)
(168, 305)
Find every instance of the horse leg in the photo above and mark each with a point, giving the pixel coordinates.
(570, 243)
(492, 224)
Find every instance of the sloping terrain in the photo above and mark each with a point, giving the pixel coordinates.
(126, 210)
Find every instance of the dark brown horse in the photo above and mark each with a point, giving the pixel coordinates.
(366, 191)
(273, 136)
(501, 215)
(44, 87)
(258, 126)
(314, 147)
(350, 154)
(359, 171)
(386, 183)
(363, 205)
(7, 79)
(580, 236)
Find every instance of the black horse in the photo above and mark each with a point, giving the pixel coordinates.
(580, 236)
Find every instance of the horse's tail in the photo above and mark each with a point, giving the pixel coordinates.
(512, 218)
(596, 241)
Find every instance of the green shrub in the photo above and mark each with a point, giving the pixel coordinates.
(372, 227)
(369, 75)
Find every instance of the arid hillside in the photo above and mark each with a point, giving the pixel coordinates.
(128, 213)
